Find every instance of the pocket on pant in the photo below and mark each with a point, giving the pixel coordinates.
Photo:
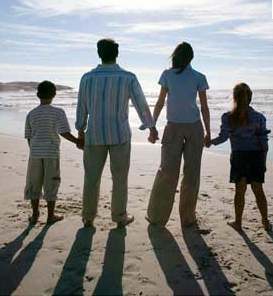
(168, 134)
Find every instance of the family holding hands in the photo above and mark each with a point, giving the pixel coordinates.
(103, 128)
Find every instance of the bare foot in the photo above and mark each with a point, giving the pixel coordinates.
(235, 225)
(54, 219)
(267, 225)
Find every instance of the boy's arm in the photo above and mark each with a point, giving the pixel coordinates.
(68, 136)
(64, 128)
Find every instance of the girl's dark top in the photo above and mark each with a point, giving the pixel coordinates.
(250, 137)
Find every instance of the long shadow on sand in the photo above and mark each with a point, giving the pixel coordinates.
(261, 257)
(71, 279)
(110, 281)
(209, 268)
(13, 272)
(176, 270)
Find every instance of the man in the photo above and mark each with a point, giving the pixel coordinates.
(102, 112)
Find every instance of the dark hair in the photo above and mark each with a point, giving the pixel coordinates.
(242, 96)
(46, 90)
(182, 56)
(107, 50)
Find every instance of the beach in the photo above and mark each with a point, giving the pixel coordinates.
(67, 259)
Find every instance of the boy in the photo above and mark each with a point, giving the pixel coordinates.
(43, 126)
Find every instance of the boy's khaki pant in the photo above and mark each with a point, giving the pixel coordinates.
(94, 161)
(43, 173)
(178, 139)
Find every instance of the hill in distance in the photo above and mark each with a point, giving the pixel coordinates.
(26, 86)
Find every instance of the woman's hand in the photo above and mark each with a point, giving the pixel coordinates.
(207, 141)
(153, 137)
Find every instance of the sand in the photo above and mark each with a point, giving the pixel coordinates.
(67, 259)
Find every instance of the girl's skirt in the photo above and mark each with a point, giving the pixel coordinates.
(247, 164)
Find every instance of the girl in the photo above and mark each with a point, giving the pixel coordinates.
(247, 131)
(183, 135)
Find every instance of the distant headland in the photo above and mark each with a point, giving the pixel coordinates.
(26, 86)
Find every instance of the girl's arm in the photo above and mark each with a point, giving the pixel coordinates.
(205, 115)
(224, 131)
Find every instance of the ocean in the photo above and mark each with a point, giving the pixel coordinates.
(15, 105)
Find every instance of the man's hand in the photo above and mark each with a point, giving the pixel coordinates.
(153, 137)
(80, 141)
(207, 141)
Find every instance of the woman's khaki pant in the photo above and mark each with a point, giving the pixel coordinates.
(178, 139)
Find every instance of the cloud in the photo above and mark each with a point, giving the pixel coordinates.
(53, 8)
(209, 11)
(48, 33)
(257, 30)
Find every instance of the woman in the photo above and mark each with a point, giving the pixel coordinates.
(183, 135)
(246, 129)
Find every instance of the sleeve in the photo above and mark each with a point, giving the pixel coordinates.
(62, 123)
(163, 80)
(263, 133)
(224, 131)
(81, 113)
(27, 128)
(139, 101)
(202, 83)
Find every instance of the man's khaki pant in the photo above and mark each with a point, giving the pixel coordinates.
(178, 139)
(94, 161)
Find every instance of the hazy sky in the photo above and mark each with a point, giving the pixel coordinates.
(56, 39)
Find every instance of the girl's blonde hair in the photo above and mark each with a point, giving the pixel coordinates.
(242, 96)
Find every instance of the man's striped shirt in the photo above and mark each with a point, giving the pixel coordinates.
(43, 126)
(103, 105)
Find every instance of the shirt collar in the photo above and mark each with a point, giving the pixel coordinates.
(108, 66)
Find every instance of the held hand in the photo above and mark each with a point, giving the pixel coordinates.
(80, 144)
(153, 137)
(207, 141)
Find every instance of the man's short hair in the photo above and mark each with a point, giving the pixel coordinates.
(46, 90)
(107, 50)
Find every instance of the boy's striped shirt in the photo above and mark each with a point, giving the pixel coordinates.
(43, 126)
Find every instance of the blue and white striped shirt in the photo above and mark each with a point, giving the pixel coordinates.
(103, 105)
(43, 126)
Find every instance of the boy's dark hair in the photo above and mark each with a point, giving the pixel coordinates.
(46, 90)
(107, 50)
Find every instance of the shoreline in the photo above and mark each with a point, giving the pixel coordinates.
(219, 152)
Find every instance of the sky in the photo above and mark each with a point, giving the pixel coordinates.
(56, 39)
